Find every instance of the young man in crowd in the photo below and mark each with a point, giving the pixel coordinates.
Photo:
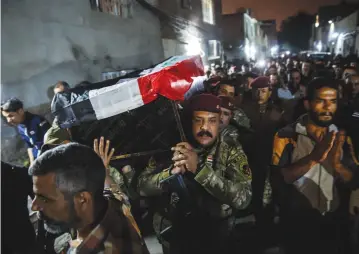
(316, 162)
(31, 127)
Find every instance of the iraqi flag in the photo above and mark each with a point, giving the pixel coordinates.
(171, 79)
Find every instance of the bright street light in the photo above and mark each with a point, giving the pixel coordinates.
(330, 21)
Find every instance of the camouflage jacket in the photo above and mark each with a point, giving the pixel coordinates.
(229, 134)
(241, 118)
(222, 181)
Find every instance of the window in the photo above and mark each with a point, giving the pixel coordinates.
(121, 8)
(208, 11)
(214, 49)
(186, 4)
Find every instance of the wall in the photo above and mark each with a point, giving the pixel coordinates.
(190, 25)
(233, 35)
(45, 41)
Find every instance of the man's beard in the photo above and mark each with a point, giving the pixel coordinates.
(315, 118)
(58, 227)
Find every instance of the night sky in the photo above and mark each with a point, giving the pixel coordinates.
(276, 9)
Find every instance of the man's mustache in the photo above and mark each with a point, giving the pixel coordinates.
(204, 133)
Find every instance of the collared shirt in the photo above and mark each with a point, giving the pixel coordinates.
(32, 131)
(117, 233)
(285, 94)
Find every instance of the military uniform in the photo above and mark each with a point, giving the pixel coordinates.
(230, 134)
(221, 185)
(240, 117)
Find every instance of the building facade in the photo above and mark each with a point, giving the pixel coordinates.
(335, 29)
(269, 28)
(191, 27)
(243, 36)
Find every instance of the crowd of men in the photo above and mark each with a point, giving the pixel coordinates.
(270, 159)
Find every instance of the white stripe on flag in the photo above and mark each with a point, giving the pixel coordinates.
(116, 99)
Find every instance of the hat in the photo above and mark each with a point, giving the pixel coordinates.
(56, 136)
(261, 82)
(205, 102)
(226, 102)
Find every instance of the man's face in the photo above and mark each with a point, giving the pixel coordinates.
(350, 72)
(58, 213)
(14, 118)
(272, 70)
(261, 95)
(355, 83)
(225, 117)
(323, 106)
(305, 68)
(296, 78)
(226, 90)
(205, 127)
(273, 79)
(59, 89)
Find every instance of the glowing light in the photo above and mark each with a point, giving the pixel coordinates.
(274, 50)
(319, 46)
(317, 21)
(282, 55)
(330, 21)
(194, 47)
(287, 52)
(261, 63)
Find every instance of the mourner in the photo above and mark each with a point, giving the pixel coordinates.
(217, 177)
(316, 162)
(31, 127)
(68, 183)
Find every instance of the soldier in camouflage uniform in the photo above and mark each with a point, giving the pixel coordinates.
(227, 88)
(228, 131)
(218, 181)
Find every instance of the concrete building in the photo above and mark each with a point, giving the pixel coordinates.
(46, 41)
(269, 27)
(343, 35)
(330, 24)
(191, 27)
(243, 37)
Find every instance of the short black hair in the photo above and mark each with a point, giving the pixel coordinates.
(12, 105)
(319, 83)
(229, 82)
(77, 168)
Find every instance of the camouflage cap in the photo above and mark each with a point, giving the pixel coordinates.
(205, 102)
(226, 102)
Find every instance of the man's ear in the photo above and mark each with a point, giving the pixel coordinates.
(306, 104)
(20, 111)
(83, 200)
